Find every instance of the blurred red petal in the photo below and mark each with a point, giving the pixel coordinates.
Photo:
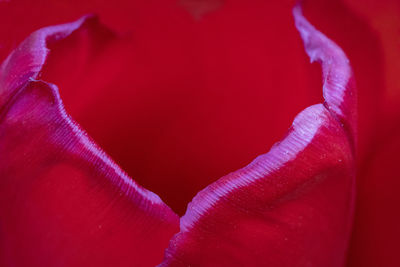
(64, 202)
(376, 232)
(376, 236)
(383, 17)
(292, 206)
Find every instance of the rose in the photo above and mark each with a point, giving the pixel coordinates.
(74, 214)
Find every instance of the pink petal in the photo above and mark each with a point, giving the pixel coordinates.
(63, 201)
(292, 206)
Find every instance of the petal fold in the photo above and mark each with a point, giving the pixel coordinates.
(26, 61)
(294, 205)
(63, 201)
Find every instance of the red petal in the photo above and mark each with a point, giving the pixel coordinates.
(292, 206)
(371, 41)
(375, 241)
(383, 18)
(339, 87)
(177, 84)
(364, 50)
(27, 60)
(63, 202)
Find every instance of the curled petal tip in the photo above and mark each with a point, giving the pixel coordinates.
(338, 81)
(27, 60)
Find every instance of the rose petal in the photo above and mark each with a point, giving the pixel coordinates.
(292, 206)
(64, 202)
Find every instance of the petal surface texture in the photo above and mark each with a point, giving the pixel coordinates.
(294, 205)
(63, 201)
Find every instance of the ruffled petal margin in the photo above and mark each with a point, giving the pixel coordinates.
(63, 201)
(294, 205)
